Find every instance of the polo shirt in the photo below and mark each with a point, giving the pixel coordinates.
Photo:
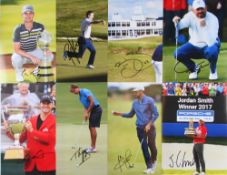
(84, 94)
(27, 39)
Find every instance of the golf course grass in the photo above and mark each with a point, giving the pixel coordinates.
(130, 60)
(122, 137)
(72, 133)
(169, 62)
(66, 71)
(70, 13)
(45, 13)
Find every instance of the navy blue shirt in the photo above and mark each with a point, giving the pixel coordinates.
(84, 94)
(145, 111)
(157, 55)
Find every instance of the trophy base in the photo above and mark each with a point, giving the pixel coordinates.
(15, 153)
(189, 132)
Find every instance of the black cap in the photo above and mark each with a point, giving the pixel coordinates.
(46, 98)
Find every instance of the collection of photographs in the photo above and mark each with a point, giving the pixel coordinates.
(108, 87)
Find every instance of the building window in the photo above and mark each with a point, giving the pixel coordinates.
(124, 32)
(147, 23)
(109, 33)
(148, 32)
(124, 24)
(128, 24)
(109, 24)
(142, 32)
(153, 24)
(118, 33)
(138, 24)
(143, 24)
(118, 24)
(113, 33)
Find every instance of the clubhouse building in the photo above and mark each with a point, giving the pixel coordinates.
(137, 27)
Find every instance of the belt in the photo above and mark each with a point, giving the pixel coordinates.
(97, 106)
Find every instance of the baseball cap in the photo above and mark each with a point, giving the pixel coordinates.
(198, 4)
(27, 8)
(46, 98)
(138, 89)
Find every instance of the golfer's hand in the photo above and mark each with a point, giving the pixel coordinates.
(28, 126)
(116, 113)
(6, 125)
(148, 127)
(86, 115)
(35, 60)
(176, 19)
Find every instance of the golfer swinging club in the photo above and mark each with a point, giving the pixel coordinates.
(204, 41)
(25, 43)
(92, 112)
(85, 41)
(146, 113)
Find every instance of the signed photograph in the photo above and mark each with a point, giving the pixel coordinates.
(27, 45)
(134, 33)
(134, 128)
(28, 125)
(82, 40)
(82, 128)
(194, 128)
(195, 41)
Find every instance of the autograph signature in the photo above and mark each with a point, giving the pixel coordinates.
(179, 160)
(129, 68)
(80, 154)
(124, 161)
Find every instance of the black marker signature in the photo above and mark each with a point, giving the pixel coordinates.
(80, 153)
(124, 161)
(129, 68)
(179, 160)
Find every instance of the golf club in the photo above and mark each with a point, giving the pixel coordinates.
(176, 38)
(137, 153)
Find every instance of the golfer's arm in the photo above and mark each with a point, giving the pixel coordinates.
(130, 114)
(17, 49)
(96, 21)
(91, 104)
(155, 112)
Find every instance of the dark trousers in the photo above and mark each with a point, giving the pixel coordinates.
(36, 172)
(198, 157)
(187, 52)
(147, 140)
(87, 45)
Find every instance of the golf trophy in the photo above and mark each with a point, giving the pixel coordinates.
(45, 72)
(190, 131)
(15, 128)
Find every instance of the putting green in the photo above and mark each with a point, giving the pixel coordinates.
(130, 60)
(122, 137)
(68, 136)
(169, 62)
(67, 71)
(44, 13)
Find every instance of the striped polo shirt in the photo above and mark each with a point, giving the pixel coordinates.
(27, 39)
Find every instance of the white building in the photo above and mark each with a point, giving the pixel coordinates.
(137, 27)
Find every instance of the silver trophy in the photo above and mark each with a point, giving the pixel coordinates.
(45, 72)
(190, 131)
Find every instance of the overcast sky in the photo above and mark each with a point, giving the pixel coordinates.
(126, 8)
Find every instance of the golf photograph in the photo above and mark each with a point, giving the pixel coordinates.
(134, 31)
(198, 143)
(28, 126)
(81, 40)
(134, 123)
(82, 128)
(28, 41)
(196, 48)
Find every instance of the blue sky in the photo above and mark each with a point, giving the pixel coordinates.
(150, 8)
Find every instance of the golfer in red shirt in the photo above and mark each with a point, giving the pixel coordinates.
(41, 138)
(199, 139)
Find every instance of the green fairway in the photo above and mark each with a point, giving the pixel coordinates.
(69, 108)
(67, 71)
(45, 13)
(169, 62)
(122, 137)
(70, 13)
(68, 136)
(130, 60)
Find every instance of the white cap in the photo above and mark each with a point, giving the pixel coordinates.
(198, 4)
(27, 8)
(138, 89)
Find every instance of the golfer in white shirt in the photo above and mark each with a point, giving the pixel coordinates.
(203, 43)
